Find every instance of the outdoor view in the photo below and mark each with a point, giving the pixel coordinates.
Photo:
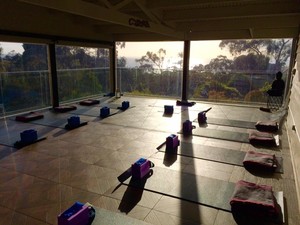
(228, 71)
(238, 71)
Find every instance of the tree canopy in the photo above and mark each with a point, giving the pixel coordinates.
(153, 61)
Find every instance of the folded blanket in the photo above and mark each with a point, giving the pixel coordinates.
(29, 117)
(256, 160)
(267, 126)
(246, 192)
(62, 109)
(262, 138)
(253, 204)
(89, 102)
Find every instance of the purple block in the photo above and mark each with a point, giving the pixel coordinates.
(140, 168)
(125, 105)
(202, 117)
(169, 109)
(104, 112)
(187, 127)
(172, 142)
(29, 136)
(77, 214)
(74, 121)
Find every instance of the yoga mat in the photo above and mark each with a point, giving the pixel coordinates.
(230, 123)
(115, 106)
(93, 112)
(215, 154)
(220, 134)
(203, 190)
(53, 120)
(104, 216)
(10, 131)
(19, 144)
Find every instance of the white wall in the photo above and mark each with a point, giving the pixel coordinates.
(293, 121)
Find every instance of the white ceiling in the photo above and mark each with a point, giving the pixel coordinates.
(151, 20)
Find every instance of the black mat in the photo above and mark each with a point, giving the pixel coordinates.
(104, 216)
(115, 106)
(221, 134)
(53, 120)
(203, 190)
(10, 131)
(19, 144)
(68, 127)
(215, 154)
(230, 123)
(93, 112)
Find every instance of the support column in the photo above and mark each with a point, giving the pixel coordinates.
(185, 75)
(185, 71)
(113, 71)
(53, 74)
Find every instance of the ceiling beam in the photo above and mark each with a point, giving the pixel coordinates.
(239, 11)
(107, 3)
(146, 11)
(121, 4)
(242, 23)
(175, 4)
(99, 13)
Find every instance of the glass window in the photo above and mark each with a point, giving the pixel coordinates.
(150, 68)
(236, 70)
(24, 77)
(82, 72)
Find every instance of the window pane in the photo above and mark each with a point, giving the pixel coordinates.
(239, 71)
(24, 76)
(82, 72)
(150, 68)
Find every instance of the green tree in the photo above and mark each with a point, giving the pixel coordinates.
(35, 57)
(251, 62)
(153, 61)
(279, 50)
(220, 64)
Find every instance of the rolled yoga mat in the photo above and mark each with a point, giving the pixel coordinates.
(93, 112)
(203, 190)
(220, 134)
(215, 154)
(230, 123)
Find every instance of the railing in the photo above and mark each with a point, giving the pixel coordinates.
(24, 91)
(137, 81)
(30, 90)
(243, 87)
(74, 84)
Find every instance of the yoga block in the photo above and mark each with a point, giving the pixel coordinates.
(28, 136)
(187, 127)
(125, 105)
(74, 121)
(172, 142)
(202, 117)
(77, 214)
(105, 111)
(140, 168)
(169, 109)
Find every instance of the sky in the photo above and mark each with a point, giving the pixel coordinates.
(201, 52)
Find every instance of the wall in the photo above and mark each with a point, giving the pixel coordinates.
(293, 121)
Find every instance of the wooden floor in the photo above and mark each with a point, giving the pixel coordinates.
(39, 181)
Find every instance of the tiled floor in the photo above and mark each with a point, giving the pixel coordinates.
(39, 181)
